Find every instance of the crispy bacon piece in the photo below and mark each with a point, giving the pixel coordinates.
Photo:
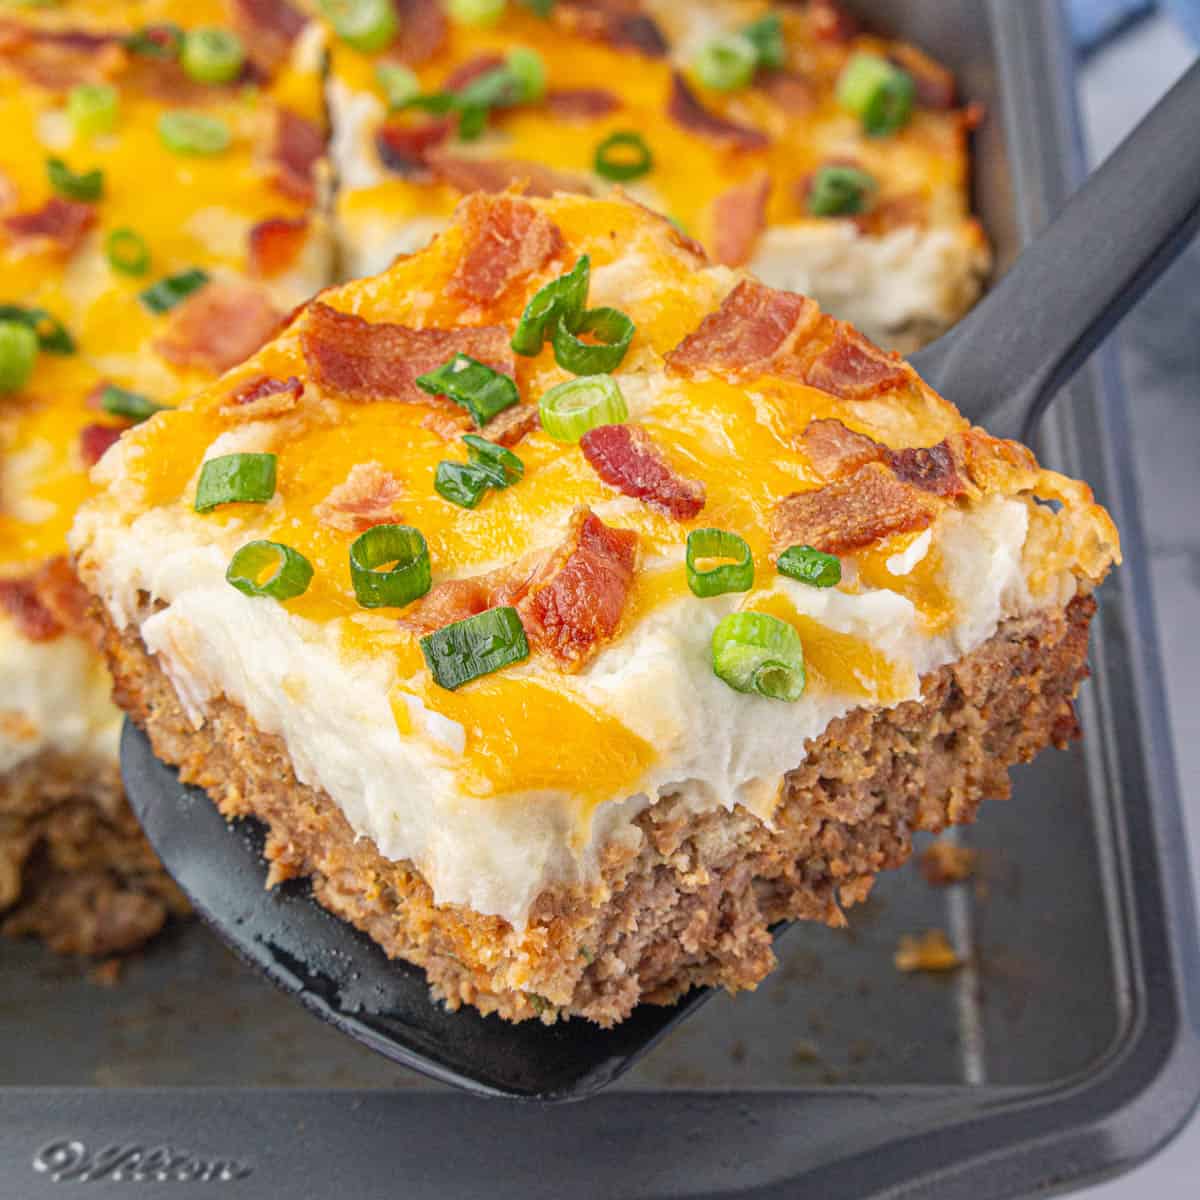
(935, 84)
(59, 225)
(365, 498)
(685, 109)
(854, 368)
(910, 210)
(836, 451)
(791, 91)
(423, 30)
(95, 439)
(298, 147)
(510, 426)
(831, 22)
(57, 60)
(626, 458)
(501, 174)
(641, 33)
(677, 236)
(263, 397)
(570, 602)
(219, 326)
(47, 602)
(851, 513)
(620, 23)
(569, 103)
(473, 69)
(268, 28)
(276, 245)
(405, 148)
(505, 239)
(576, 599)
(755, 328)
(739, 217)
(364, 361)
(449, 421)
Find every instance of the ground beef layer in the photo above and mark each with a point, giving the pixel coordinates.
(693, 905)
(75, 867)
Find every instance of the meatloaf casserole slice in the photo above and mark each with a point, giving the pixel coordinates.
(156, 223)
(781, 136)
(572, 609)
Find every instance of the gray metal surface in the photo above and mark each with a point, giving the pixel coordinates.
(1074, 1003)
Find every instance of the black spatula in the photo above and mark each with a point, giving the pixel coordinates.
(1001, 365)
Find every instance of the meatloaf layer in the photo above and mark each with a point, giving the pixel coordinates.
(693, 905)
(75, 868)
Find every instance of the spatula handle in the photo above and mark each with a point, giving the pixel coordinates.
(1004, 362)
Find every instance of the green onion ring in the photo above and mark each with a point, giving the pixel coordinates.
(614, 331)
(92, 108)
(127, 252)
(52, 335)
(810, 566)
(465, 650)
(197, 133)
(235, 479)
(558, 302)
(767, 36)
(88, 186)
(169, 291)
(290, 572)
(758, 653)
(399, 83)
(568, 410)
(480, 390)
(133, 406)
(500, 464)
(377, 585)
(212, 55)
(726, 62)
(614, 160)
(18, 355)
(366, 25)
(839, 191)
(736, 576)
(878, 92)
(461, 483)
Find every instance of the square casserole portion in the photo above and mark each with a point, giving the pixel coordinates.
(606, 821)
(74, 867)
(734, 168)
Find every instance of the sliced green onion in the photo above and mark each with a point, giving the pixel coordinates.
(461, 483)
(479, 645)
(52, 335)
(18, 354)
(878, 92)
(235, 479)
(366, 25)
(736, 576)
(613, 331)
(92, 108)
(88, 186)
(568, 410)
(560, 301)
(810, 566)
(400, 85)
(756, 652)
(541, 8)
(766, 34)
(127, 252)
(726, 62)
(131, 405)
(529, 71)
(480, 390)
(476, 12)
(622, 156)
(378, 585)
(269, 569)
(501, 466)
(839, 191)
(193, 132)
(162, 296)
(212, 55)
(156, 41)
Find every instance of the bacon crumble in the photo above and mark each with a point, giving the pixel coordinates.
(424, 28)
(263, 397)
(685, 109)
(268, 28)
(95, 439)
(853, 368)
(739, 218)
(219, 326)
(492, 175)
(584, 103)
(626, 458)
(298, 147)
(59, 225)
(58, 60)
(364, 361)
(275, 245)
(367, 497)
(46, 602)
(505, 239)
(405, 149)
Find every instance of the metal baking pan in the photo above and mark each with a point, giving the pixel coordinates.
(1066, 1049)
